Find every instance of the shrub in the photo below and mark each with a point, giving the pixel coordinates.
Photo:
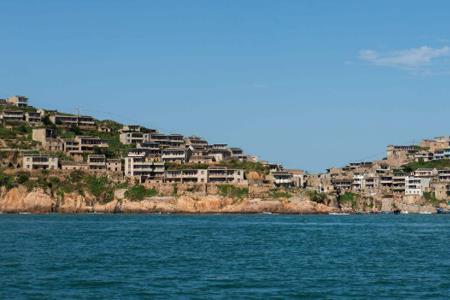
(348, 197)
(139, 192)
(228, 190)
(317, 197)
(279, 194)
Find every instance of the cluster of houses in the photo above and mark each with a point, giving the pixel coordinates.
(387, 177)
(150, 152)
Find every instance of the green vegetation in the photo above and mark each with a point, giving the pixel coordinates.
(431, 198)
(247, 166)
(438, 164)
(100, 188)
(139, 192)
(279, 194)
(228, 190)
(174, 166)
(317, 197)
(348, 197)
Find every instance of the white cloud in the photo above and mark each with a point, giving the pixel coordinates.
(417, 59)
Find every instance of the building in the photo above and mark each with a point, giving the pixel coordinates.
(86, 122)
(39, 162)
(96, 162)
(416, 186)
(80, 145)
(134, 137)
(444, 175)
(176, 155)
(19, 101)
(398, 184)
(225, 175)
(74, 165)
(139, 165)
(42, 134)
(436, 144)
(425, 172)
(64, 120)
(342, 183)
(33, 118)
(186, 176)
(282, 179)
(398, 154)
(423, 156)
(12, 116)
(114, 165)
(196, 142)
(48, 139)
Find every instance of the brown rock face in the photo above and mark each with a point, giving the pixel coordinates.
(19, 200)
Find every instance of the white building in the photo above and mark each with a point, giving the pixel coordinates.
(39, 162)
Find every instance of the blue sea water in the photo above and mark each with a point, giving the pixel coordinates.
(224, 257)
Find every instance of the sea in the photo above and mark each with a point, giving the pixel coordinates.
(95, 256)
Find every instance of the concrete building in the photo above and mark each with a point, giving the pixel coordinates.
(86, 122)
(19, 101)
(186, 176)
(39, 162)
(12, 116)
(196, 142)
(424, 156)
(425, 173)
(33, 118)
(282, 179)
(138, 165)
(47, 138)
(176, 155)
(444, 175)
(342, 183)
(74, 166)
(114, 165)
(436, 144)
(64, 120)
(398, 184)
(80, 145)
(134, 137)
(416, 186)
(225, 175)
(96, 162)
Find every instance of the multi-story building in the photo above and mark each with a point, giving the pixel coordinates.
(444, 175)
(436, 144)
(282, 179)
(79, 145)
(39, 162)
(425, 172)
(114, 165)
(416, 186)
(19, 101)
(33, 118)
(196, 142)
(74, 165)
(12, 116)
(176, 155)
(63, 119)
(134, 137)
(398, 184)
(87, 122)
(186, 176)
(97, 162)
(139, 165)
(342, 183)
(170, 140)
(423, 156)
(151, 148)
(225, 175)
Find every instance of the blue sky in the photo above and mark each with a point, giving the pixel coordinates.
(310, 84)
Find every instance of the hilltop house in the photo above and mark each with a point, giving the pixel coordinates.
(39, 162)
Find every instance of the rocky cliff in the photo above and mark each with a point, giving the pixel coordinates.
(18, 200)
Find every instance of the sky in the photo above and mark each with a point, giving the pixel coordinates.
(309, 84)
